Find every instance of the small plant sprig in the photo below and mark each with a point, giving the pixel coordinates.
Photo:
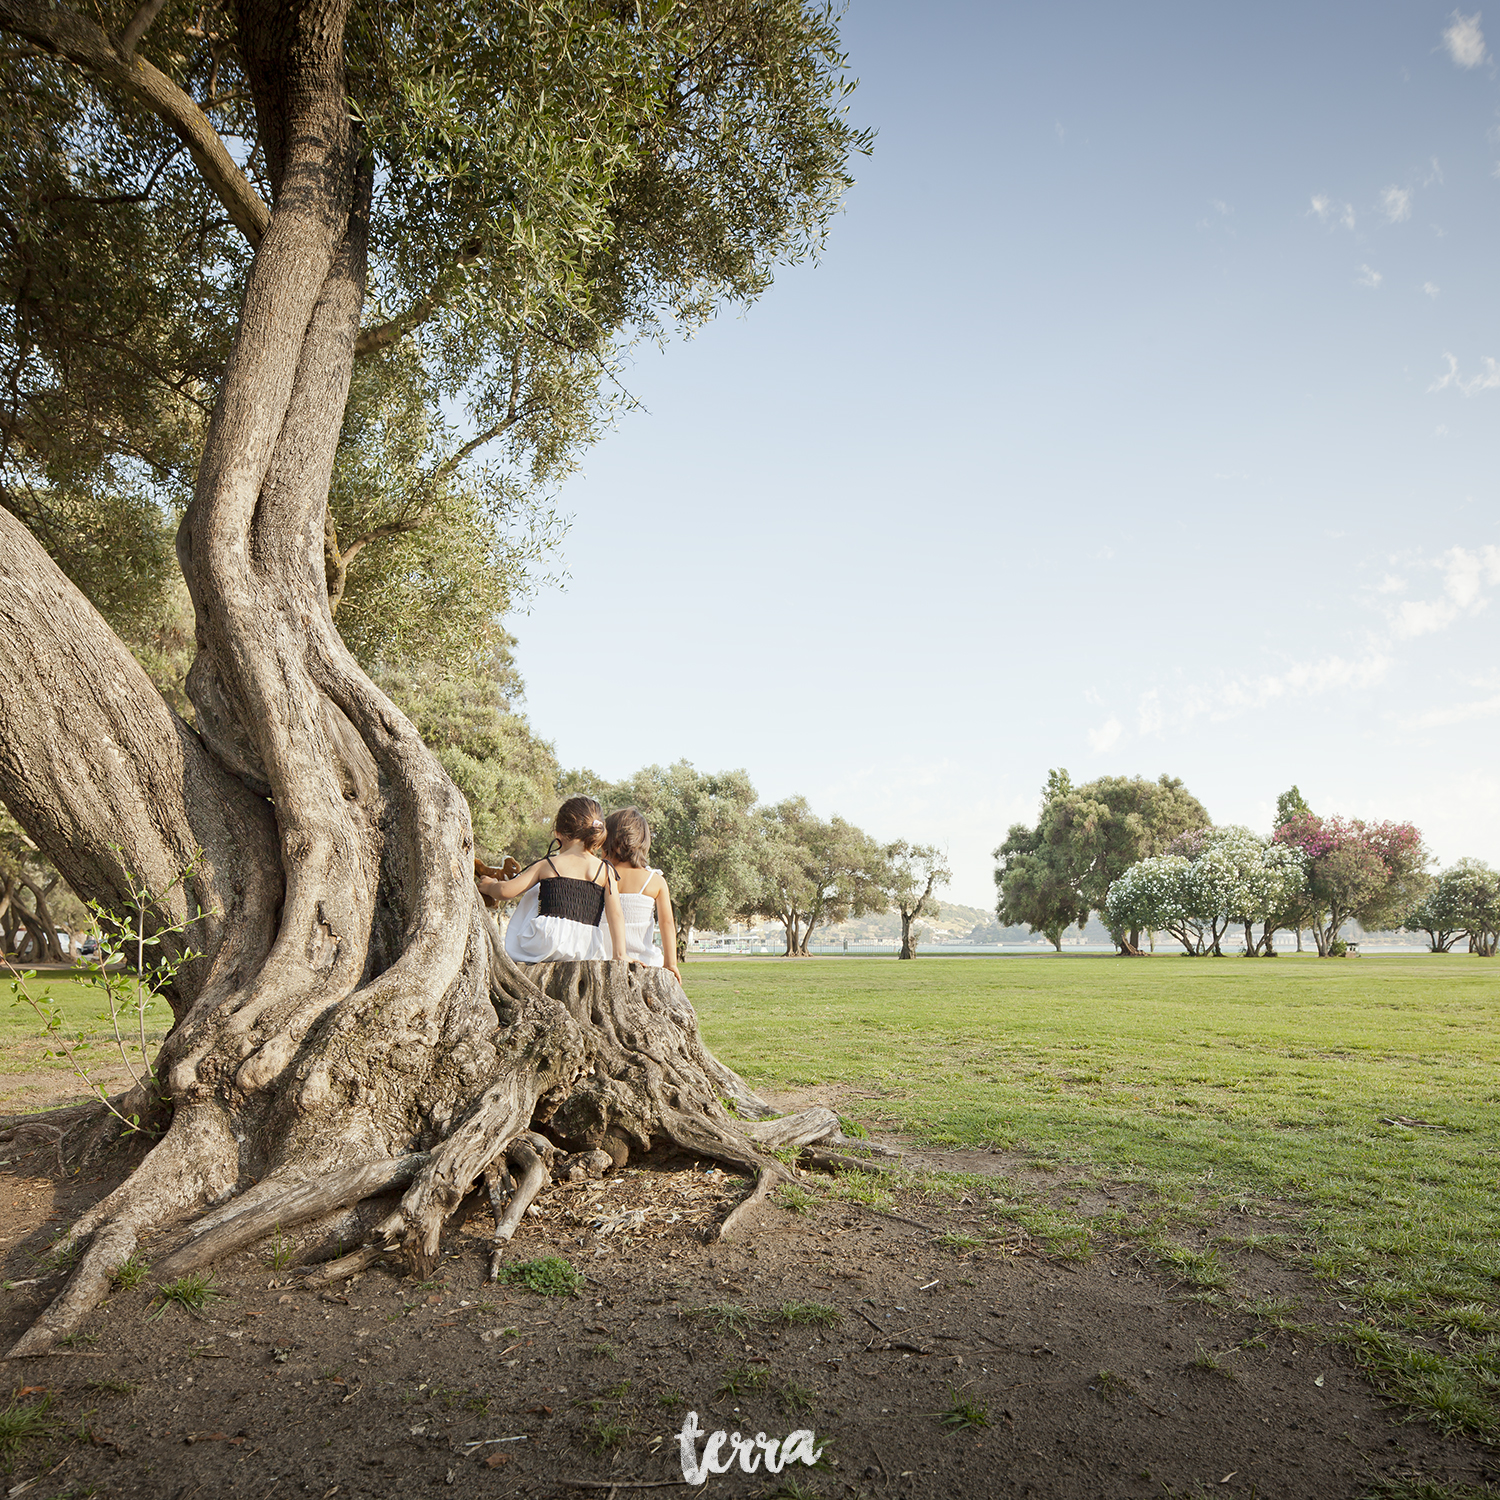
(128, 994)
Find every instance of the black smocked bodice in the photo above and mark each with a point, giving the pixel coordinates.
(577, 900)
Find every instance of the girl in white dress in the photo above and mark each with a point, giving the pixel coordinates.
(643, 891)
(565, 895)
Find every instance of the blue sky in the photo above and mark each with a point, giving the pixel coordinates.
(1141, 417)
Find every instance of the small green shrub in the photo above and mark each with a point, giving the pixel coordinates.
(193, 1293)
(819, 1314)
(743, 1380)
(795, 1198)
(724, 1317)
(551, 1276)
(19, 1423)
(130, 1273)
(963, 1414)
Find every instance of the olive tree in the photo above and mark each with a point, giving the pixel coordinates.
(239, 206)
(912, 872)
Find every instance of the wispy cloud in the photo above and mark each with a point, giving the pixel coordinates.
(1431, 288)
(1465, 41)
(1395, 204)
(1488, 378)
(1149, 712)
(1390, 584)
(1105, 736)
(1368, 277)
(1332, 213)
(1238, 695)
(1467, 573)
(1460, 713)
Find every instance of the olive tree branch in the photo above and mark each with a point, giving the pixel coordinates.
(67, 34)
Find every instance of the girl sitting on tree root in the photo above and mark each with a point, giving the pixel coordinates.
(567, 892)
(643, 892)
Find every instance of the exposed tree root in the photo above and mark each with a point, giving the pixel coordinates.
(835, 1161)
(589, 1064)
(765, 1185)
(532, 1155)
(345, 1266)
(273, 1205)
(85, 1290)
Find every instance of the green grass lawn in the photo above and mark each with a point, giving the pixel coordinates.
(25, 1064)
(1211, 1083)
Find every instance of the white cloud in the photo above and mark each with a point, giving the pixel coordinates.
(1329, 212)
(1431, 288)
(1395, 204)
(1105, 736)
(1296, 680)
(1149, 710)
(1466, 575)
(1368, 277)
(1390, 584)
(1461, 713)
(1465, 41)
(1487, 380)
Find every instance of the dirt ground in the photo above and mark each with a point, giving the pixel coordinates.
(1095, 1380)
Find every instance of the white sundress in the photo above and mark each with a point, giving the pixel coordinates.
(640, 916)
(560, 917)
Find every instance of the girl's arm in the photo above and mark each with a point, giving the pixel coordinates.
(668, 926)
(615, 918)
(508, 890)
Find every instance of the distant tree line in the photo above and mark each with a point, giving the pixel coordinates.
(1145, 856)
(728, 857)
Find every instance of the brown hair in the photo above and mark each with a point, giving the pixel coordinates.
(581, 818)
(627, 840)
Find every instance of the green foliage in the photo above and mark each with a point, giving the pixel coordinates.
(551, 1276)
(795, 1198)
(279, 1251)
(814, 872)
(462, 708)
(724, 1317)
(1052, 876)
(132, 1271)
(554, 181)
(815, 1314)
(1290, 806)
(910, 874)
(139, 953)
(742, 1381)
(963, 1414)
(20, 1422)
(1463, 903)
(193, 1293)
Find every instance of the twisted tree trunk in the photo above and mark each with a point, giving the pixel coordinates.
(351, 1031)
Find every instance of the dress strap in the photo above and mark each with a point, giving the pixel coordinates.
(604, 865)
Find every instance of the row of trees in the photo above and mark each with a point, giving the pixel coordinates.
(728, 858)
(1464, 903)
(1146, 857)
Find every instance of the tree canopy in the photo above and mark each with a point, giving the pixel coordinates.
(1055, 874)
(549, 182)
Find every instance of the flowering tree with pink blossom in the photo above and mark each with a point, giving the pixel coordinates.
(1372, 873)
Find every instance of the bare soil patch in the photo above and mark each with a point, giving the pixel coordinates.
(1097, 1380)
